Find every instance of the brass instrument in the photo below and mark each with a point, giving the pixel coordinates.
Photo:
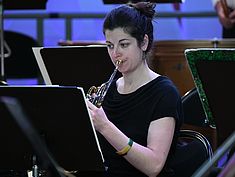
(96, 94)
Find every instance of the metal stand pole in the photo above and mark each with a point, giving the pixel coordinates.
(2, 76)
(35, 171)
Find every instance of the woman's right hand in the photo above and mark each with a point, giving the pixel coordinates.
(98, 116)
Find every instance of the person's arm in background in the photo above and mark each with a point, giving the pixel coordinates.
(226, 16)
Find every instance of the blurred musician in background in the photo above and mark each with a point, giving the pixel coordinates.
(140, 117)
(226, 13)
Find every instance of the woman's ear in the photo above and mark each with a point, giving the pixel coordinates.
(145, 43)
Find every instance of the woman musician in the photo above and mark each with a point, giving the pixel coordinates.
(140, 116)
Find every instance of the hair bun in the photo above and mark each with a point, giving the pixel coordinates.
(147, 8)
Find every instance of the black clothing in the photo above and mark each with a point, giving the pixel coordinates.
(132, 113)
(229, 33)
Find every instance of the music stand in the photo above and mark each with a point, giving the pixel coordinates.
(20, 118)
(14, 5)
(24, 4)
(16, 152)
(82, 66)
(213, 73)
(60, 116)
(135, 1)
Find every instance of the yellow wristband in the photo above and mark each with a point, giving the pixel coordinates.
(126, 149)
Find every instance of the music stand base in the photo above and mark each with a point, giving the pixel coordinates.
(2, 82)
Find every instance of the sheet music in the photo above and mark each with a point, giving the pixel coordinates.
(97, 140)
(42, 67)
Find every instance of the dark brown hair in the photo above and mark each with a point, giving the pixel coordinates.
(135, 19)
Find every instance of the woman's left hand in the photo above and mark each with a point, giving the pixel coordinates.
(98, 116)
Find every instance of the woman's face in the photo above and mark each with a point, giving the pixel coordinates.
(122, 46)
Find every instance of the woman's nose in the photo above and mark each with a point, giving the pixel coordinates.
(116, 52)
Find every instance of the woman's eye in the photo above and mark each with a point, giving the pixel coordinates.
(124, 45)
(110, 46)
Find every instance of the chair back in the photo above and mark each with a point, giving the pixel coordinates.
(193, 110)
(192, 150)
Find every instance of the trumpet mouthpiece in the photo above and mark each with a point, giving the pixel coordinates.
(118, 62)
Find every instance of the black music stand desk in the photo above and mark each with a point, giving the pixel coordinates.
(41, 151)
(60, 117)
(81, 66)
(213, 71)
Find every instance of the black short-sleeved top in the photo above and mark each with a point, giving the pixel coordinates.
(132, 113)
